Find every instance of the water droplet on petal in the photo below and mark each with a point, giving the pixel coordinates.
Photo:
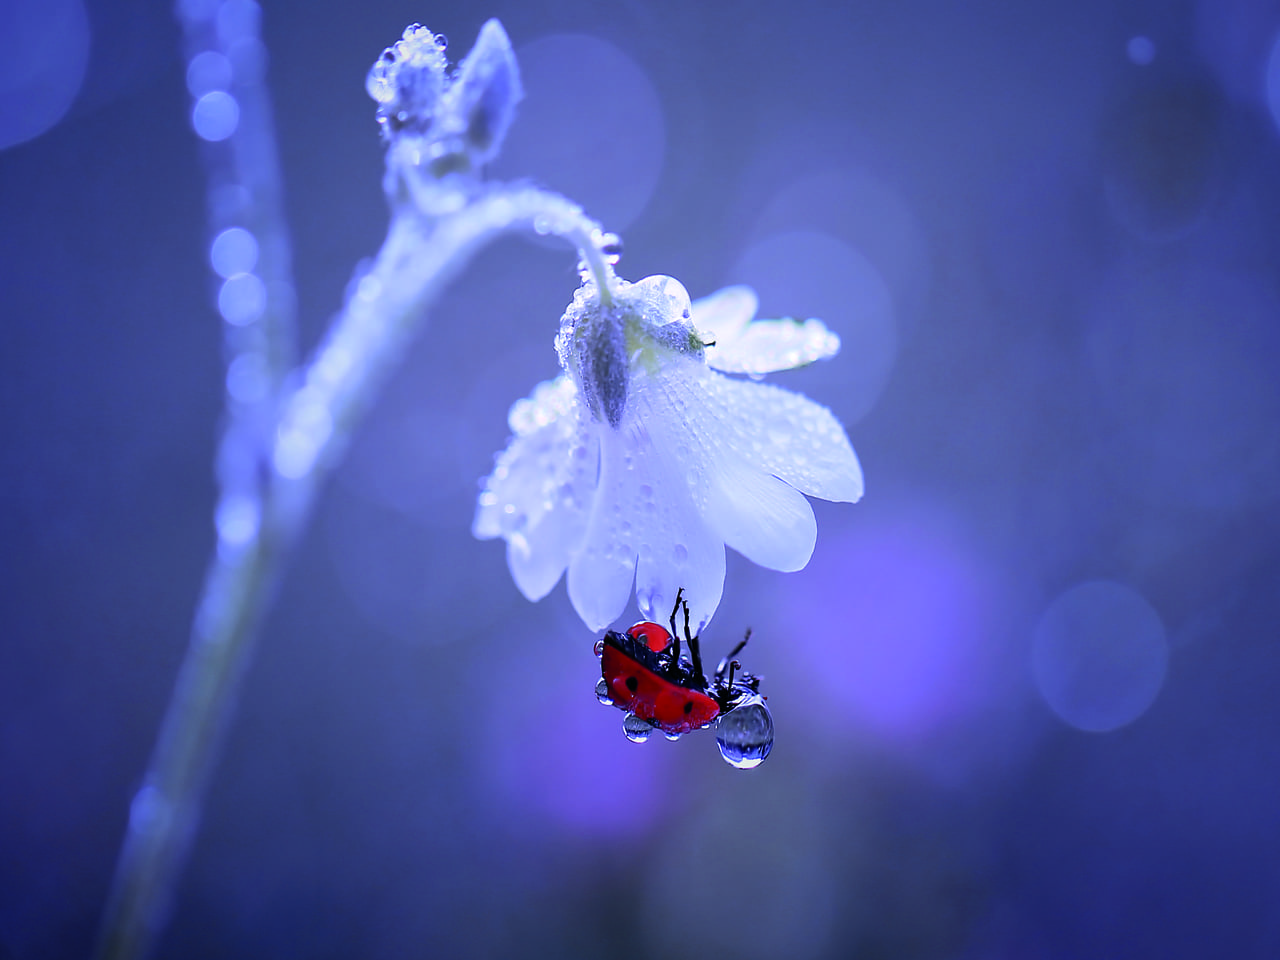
(602, 692)
(745, 734)
(681, 553)
(637, 730)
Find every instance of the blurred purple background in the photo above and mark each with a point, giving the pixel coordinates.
(1026, 692)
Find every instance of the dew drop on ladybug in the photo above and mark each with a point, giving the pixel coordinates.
(602, 692)
(744, 734)
(637, 730)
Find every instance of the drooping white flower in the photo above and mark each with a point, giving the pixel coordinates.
(641, 462)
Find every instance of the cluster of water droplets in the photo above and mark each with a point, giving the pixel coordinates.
(408, 80)
(441, 121)
(637, 729)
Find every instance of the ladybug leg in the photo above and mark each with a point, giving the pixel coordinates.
(729, 664)
(675, 636)
(694, 649)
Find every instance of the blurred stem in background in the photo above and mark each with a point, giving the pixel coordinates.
(287, 427)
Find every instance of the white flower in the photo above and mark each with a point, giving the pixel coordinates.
(641, 463)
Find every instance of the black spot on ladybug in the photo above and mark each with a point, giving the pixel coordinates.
(632, 683)
(688, 706)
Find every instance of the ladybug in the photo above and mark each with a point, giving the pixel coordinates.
(644, 674)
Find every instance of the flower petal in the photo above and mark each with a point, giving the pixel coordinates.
(764, 519)
(541, 487)
(782, 433)
(540, 556)
(677, 549)
(723, 316)
(766, 346)
(645, 524)
(602, 571)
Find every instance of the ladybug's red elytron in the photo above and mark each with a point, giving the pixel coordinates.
(643, 673)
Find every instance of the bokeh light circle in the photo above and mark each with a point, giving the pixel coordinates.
(215, 116)
(591, 126)
(1141, 50)
(247, 380)
(1099, 656)
(208, 71)
(858, 208)
(44, 50)
(241, 299)
(804, 273)
(234, 250)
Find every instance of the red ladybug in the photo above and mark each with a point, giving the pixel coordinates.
(643, 673)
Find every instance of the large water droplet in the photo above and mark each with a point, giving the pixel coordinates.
(745, 734)
(380, 83)
(602, 692)
(637, 730)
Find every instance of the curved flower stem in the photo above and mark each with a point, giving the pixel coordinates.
(388, 302)
(259, 528)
